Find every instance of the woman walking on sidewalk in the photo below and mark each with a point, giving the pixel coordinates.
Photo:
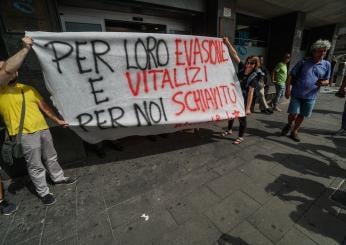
(248, 78)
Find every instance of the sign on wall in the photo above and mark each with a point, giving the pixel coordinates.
(112, 85)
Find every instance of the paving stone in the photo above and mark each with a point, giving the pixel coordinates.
(68, 241)
(5, 223)
(27, 223)
(89, 194)
(322, 227)
(184, 186)
(300, 191)
(235, 180)
(31, 241)
(249, 234)
(192, 205)
(94, 228)
(143, 231)
(232, 211)
(226, 165)
(197, 231)
(275, 218)
(131, 210)
(60, 222)
(256, 173)
(291, 169)
(295, 237)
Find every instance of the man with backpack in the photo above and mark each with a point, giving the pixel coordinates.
(303, 84)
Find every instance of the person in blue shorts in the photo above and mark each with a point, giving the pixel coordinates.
(303, 84)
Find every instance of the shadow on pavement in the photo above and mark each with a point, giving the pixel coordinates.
(314, 208)
(226, 239)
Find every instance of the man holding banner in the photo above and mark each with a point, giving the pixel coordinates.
(36, 139)
(8, 70)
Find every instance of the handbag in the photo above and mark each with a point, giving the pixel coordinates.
(13, 149)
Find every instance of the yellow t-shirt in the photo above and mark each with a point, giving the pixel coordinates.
(11, 106)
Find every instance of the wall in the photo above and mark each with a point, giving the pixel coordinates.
(195, 5)
(285, 36)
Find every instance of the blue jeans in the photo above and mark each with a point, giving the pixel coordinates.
(280, 89)
(343, 124)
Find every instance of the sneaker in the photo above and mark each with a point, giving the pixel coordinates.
(277, 109)
(295, 137)
(48, 199)
(7, 208)
(286, 129)
(66, 181)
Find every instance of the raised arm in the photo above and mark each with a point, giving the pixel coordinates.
(12, 65)
(232, 51)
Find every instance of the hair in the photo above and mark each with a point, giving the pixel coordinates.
(325, 44)
(254, 59)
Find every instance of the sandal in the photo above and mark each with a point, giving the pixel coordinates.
(238, 141)
(226, 133)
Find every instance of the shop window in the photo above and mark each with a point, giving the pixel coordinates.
(251, 31)
(127, 26)
(82, 27)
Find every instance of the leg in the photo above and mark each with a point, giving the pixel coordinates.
(50, 157)
(262, 100)
(291, 118)
(306, 107)
(343, 123)
(229, 128)
(242, 126)
(293, 111)
(5, 207)
(32, 154)
(1, 191)
(279, 92)
(297, 123)
(230, 124)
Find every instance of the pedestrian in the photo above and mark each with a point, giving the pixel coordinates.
(279, 77)
(8, 70)
(341, 94)
(248, 78)
(303, 84)
(38, 148)
(264, 82)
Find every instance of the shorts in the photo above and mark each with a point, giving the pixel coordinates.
(302, 107)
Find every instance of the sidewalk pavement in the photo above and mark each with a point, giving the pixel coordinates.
(198, 189)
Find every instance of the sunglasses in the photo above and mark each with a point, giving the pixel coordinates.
(251, 63)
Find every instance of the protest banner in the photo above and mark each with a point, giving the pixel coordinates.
(112, 85)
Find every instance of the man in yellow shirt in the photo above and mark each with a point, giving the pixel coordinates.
(8, 71)
(36, 139)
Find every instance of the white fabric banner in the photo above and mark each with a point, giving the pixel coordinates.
(112, 85)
